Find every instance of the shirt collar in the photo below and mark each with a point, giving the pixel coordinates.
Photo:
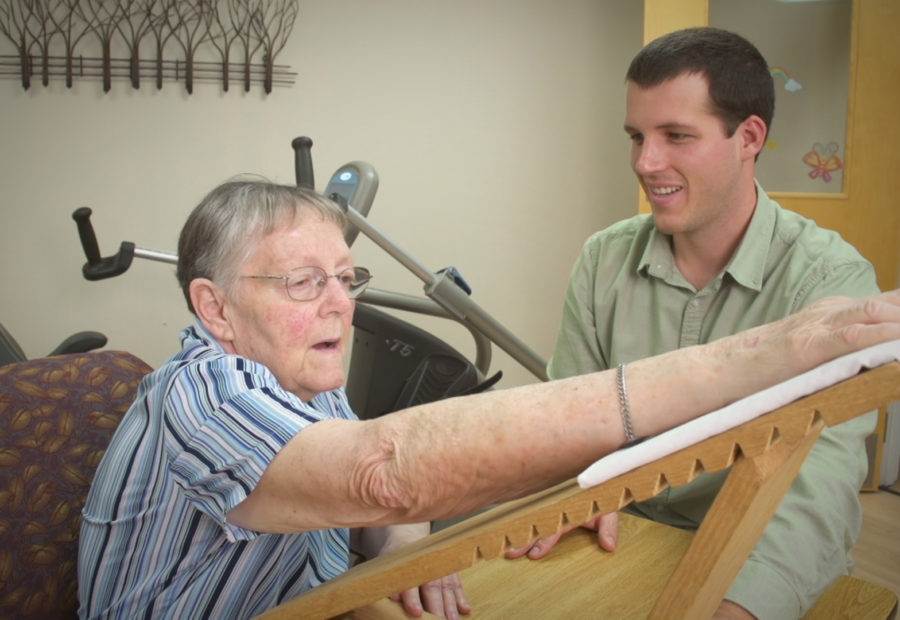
(746, 267)
(198, 335)
(748, 264)
(657, 259)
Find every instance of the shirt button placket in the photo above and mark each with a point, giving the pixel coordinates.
(692, 321)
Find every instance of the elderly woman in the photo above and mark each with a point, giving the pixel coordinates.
(233, 482)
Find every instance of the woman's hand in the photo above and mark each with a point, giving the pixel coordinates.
(442, 597)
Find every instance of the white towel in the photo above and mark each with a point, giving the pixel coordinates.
(737, 413)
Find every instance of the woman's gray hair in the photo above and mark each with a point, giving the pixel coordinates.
(222, 231)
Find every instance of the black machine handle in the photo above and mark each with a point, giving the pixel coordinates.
(97, 267)
(303, 166)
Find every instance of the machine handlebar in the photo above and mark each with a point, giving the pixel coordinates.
(97, 267)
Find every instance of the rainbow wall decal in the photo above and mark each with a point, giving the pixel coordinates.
(790, 84)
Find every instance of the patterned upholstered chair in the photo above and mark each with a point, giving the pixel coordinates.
(11, 352)
(57, 415)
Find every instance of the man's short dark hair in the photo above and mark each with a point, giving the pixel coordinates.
(740, 82)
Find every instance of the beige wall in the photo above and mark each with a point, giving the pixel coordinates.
(495, 128)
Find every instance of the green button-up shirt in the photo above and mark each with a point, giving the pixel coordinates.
(627, 300)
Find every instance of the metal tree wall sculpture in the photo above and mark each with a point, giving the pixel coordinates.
(50, 37)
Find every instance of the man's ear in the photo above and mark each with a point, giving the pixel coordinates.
(753, 132)
(209, 304)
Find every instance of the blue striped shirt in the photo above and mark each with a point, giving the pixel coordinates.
(154, 540)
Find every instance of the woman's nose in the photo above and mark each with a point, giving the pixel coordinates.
(335, 296)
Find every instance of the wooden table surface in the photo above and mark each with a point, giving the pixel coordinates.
(577, 579)
(580, 580)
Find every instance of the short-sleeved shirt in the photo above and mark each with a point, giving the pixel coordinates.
(154, 539)
(627, 300)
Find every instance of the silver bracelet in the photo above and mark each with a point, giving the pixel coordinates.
(623, 404)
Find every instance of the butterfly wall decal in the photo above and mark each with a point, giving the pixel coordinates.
(823, 160)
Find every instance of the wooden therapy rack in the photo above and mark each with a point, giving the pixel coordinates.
(764, 455)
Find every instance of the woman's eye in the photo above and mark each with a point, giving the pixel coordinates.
(302, 282)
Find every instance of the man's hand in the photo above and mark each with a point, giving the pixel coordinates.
(442, 597)
(606, 526)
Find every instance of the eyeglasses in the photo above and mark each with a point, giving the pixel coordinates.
(307, 283)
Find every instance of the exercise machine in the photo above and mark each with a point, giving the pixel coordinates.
(393, 363)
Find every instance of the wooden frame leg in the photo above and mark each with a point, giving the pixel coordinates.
(745, 504)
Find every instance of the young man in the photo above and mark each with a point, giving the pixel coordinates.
(717, 256)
